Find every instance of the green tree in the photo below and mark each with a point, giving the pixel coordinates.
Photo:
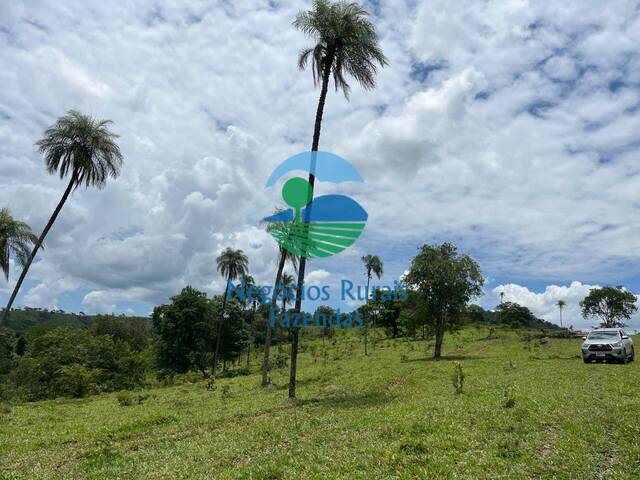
(387, 310)
(284, 257)
(516, 316)
(80, 146)
(235, 336)
(135, 331)
(73, 362)
(231, 265)
(21, 346)
(561, 304)
(372, 265)
(610, 305)
(346, 43)
(7, 349)
(16, 239)
(285, 287)
(445, 282)
(185, 329)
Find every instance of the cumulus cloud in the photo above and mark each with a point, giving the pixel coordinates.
(317, 277)
(544, 304)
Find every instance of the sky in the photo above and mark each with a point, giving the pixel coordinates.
(510, 128)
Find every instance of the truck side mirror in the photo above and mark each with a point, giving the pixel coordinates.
(624, 337)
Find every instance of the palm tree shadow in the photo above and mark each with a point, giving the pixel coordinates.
(346, 401)
(446, 358)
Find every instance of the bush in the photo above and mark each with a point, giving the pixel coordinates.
(238, 372)
(75, 363)
(77, 380)
(126, 398)
(509, 397)
(458, 378)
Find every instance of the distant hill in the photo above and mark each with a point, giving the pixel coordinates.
(512, 315)
(33, 322)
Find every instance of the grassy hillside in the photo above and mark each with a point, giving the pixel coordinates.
(529, 410)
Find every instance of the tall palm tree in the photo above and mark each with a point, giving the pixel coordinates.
(231, 265)
(346, 43)
(83, 148)
(561, 304)
(284, 256)
(372, 265)
(286, 284)
(16, 239)
(249, 299)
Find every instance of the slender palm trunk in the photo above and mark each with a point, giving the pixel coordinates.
(251, 331)
(37, 246)
(560, 317)
(439, 337)
(366, 320)
(303, 260)
(267, 340)
(214, 367)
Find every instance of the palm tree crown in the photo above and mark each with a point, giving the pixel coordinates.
(373, 264)
(283, 228)
(232, 263)
(561, 303)
(83, 146)
(346, 43)
(16, 238)
(286, 283)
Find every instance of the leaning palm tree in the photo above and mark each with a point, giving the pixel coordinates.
(372, 265)
(346, 44)
(561, 304)
(83, 148)
(231, 265)
(16, 240)
(284, 256)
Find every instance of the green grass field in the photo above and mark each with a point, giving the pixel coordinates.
(528, 410)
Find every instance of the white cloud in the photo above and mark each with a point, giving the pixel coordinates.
(510, 128)
(317, 277)
(544, 304)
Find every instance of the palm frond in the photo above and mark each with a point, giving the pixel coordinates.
(16, 239)
(346, 43)
(83, 147)
(232, 263)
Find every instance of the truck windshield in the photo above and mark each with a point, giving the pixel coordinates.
(603, 335)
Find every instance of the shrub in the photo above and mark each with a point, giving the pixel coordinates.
(458, 378)
(238, 372)
(75, 363)
(281, 361)
(509, 397)
(226, 391)
(125, 398)
(77, 380)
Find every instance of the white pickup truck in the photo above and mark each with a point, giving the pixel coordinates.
(605, 344)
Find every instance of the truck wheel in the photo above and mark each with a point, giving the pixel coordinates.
(584, 359)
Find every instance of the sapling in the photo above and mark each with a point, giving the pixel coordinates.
(458, 378)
